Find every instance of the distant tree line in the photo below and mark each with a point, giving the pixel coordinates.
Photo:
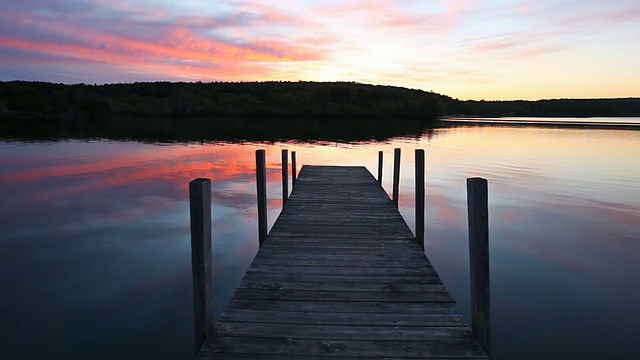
(547, 108)
(221, 99)
(302, 100)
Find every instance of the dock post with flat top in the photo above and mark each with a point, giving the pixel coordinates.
(200, 211)
(261, 184)
(380, 157)
(396, 175)
(285, 176)
(294, 169)
(419, 177)
(478, 211)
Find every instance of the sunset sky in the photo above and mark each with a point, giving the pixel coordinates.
(467, 49)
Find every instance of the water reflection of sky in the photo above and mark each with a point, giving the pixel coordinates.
(95, 239)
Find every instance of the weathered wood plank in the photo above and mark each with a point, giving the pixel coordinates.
(338, 247)
(319, 295)
(356, 218)
(361, 307)
(338, 232)
(270, 284)
(342, 262)
(345, 248)
(337, 270)
(321, 241)
(365, 233)
(418, 258)
(370, 278)
(346, 332)
(340, 348)
(292, 247)
(245, 356)
(337, 235)
(337, 318)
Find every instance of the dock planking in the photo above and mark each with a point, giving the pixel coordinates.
(340, 275)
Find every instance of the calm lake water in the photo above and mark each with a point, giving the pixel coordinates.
(95, 246)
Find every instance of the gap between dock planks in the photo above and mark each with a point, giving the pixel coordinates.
(340, 275)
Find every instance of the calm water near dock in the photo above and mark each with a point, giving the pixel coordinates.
(95, 247)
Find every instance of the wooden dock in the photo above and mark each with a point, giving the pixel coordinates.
(340, 275)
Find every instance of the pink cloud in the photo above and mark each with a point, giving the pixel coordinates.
(388, 16)
(495, 44)
(182, 43)
(629, 15)
(269, 14)
(516, 45)
(566, 20)
(187, 43)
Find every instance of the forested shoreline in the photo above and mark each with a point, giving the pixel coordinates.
(620, 107)
(301, 100)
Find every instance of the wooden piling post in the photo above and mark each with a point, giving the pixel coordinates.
(200, 211)
(478, 211)
(396, 175)
(261, 184)
(294, 169)
(285, 176)
(380, 158)
(420, 176)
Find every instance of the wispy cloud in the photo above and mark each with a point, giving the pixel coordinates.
(126, 35)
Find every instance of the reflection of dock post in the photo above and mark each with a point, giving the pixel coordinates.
(285, 176)
(294, 169)
(396, 175)
(380, 157)
(420, 175)
(261, 184)
(200, 210)
(477, 207)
